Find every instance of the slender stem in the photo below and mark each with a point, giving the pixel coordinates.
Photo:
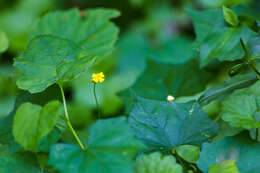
(68, 119)
(256, 135)
(255, 70)
(95, 95)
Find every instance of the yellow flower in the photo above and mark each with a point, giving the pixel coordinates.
(98, 77)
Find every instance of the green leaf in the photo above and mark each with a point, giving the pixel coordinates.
(189, 153)
(171, 80)
(48, 60)
(157, 163)
(163, 125)
(227, 166)
(203, 23)
(225, 89)
(3, 42)
(110, 149)
(17, 162)
(240, 148)
(32, 123)
(241, 111)
(91, 28)
(223, 43)
(254, 47)
(230, 16)
(7, 95)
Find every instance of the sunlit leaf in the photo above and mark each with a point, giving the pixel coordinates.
(48, 60)
(33, 122)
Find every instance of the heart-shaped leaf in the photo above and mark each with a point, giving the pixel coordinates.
(33, 122)
(48, 60)
(110, 149)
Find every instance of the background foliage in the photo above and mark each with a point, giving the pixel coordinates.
(205, 53)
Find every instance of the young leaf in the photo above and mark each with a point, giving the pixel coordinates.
(240, 148)
(3, 42)
(189, 153)
(241, 111)
(227, 166)
(230, 16)
(48, 60)
(227, 88)
(110, 149)
(163, 125)
(32, 123)
(91, 29)
(157, 163)
(17, 162)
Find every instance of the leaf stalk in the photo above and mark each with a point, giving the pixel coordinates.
(68, 119)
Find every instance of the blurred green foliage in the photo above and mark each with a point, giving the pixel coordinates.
(147, 49)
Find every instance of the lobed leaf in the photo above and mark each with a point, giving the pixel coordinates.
(163, 125)
(157, 163)
(91, 28)
(110, 149)
(48, 60)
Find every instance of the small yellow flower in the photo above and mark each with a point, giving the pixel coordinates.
(98, 77)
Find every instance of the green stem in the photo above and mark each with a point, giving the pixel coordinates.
(256, 135)
(255, 70)
(68, 119)
(95, 95)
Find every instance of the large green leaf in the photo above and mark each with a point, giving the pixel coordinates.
(241, 111)
(91, 29)
(203, 23)
(110, 149)
(223, 42)
(48, 60)
(227, 88)
(163, 125)
(17, 162)
(217, 40)
(171, 80)
(157, 163)
(240, 148)
(32, 123)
